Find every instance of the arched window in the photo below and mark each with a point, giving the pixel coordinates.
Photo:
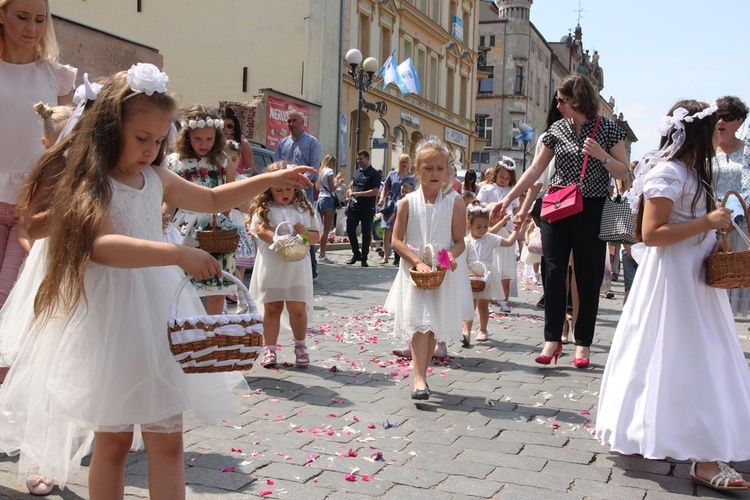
(379, 150)
(399, 145)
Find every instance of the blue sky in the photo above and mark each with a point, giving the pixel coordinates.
(657, 52)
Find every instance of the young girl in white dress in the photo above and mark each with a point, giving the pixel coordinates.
(676, 384)
(424, 217)
(505, 258)
(480, 250)
(275, 282)
(95, 364)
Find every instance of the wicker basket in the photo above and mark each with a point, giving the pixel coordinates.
(289, 247)
(478, 281)
(219, 343)
(431, 279)
(217, 240)
(729, 269)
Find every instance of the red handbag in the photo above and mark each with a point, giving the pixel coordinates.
(563, 201)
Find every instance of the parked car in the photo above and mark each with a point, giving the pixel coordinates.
(262, 156)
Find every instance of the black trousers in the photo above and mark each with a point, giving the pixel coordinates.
(579, 233)
(355, 217)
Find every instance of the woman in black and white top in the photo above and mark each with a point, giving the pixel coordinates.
(568, 141)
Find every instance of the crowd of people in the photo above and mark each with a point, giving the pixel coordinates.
(104, 196)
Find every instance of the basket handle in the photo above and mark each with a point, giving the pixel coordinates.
(484, 268)
(284, 224)
(434, 256)
(241, 289)
(724, 240)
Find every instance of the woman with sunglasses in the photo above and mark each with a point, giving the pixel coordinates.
(233, 132)
(731, 170)
(579, 134)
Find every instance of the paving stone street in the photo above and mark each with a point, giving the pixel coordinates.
(497, 426)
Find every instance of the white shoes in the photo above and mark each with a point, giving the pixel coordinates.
(504, 306)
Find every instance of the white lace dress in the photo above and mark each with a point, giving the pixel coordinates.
(731, 173)
(107, 365)
(676, 383)
(275, 279)
(505, 257)
(418, 310)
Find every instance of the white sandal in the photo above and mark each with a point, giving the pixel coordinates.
(38, 485)
(721, 480)
(302, 358)
(269, 359)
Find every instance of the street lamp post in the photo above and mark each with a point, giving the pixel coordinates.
(362, 79)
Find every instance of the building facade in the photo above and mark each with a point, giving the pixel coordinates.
(519, 72)
(439, 37)
(264, 57)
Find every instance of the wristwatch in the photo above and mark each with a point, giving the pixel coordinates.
(607, 159)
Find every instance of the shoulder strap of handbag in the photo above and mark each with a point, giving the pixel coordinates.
(586, 157)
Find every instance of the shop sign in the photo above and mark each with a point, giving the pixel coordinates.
(379, 107)
(456, 137)
(409, 119)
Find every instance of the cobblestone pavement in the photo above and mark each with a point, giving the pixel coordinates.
(497, 426)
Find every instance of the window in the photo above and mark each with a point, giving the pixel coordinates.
(424, 7)
(435, 13)
(364, 34)
(538, 91)
(432, 87)
(481, 41)
(379, 151)
(421, 66)
(458, 154)
(408, 49)
(486, 85)
(484, 130)
(518, 84)
(450, 84)
(398, 147)
(462, 104)
(385, 44)
(492, 40)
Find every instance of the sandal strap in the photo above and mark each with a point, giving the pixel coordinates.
(300, 353)
(727, 474)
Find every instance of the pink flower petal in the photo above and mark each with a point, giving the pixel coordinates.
(265, 493)
(227, 469)
(351, 478)
(270, 482)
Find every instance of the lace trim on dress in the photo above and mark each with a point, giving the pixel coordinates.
(662, 187)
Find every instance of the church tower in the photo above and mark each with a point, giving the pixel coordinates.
(517, 10)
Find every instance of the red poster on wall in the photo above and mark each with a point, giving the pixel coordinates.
(276, 128)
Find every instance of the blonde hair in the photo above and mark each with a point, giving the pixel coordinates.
(81, 192)
(430, 146)
(403, 157)
(262, 202)
(54, 120)
(47, 48)
(329, 161)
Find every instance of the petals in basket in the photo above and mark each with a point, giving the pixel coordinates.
(444, 259)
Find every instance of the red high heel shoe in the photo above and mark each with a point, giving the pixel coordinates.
(545, 360)
(582, 362)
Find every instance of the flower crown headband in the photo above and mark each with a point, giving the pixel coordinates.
(202, 122)
(432, 142)
(479, 208)
(507, 163)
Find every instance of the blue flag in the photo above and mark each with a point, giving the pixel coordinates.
(409, 78)
(389, 72)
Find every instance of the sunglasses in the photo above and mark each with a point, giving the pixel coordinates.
(728, 117)
(562, 100)
(229, 126)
